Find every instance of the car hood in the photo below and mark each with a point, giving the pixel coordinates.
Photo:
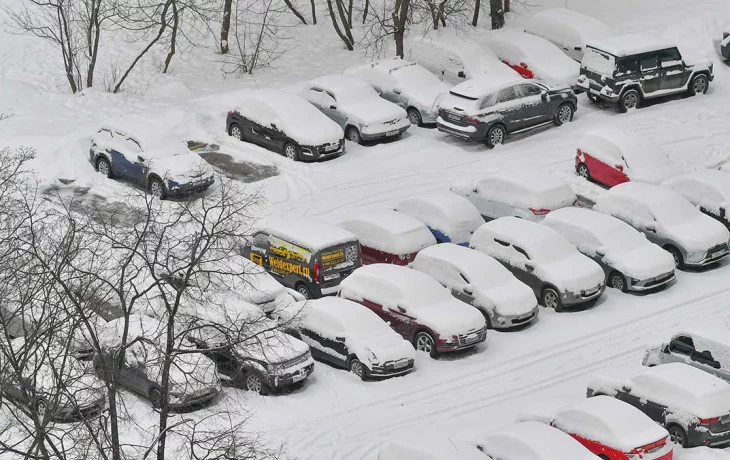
(315, 131)
(512, 298)
(694, 58)
(373, 111)
(181, 168)
(644, 262)
(272, 347)
(654, 174)
(700, 234)
(451, 317)
(574, 273)
(386, 347)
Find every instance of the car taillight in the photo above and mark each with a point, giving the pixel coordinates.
(442, 112)
(315, 271)
(230, 113)
(575, 202)
(708, 421)
(471, 120)
(648, 447)
(539, 212)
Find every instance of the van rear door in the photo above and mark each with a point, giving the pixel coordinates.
(335, 263)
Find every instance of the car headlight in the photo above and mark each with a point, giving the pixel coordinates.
(275, 369)
(695, 256)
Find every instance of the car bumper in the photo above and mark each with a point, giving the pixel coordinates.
(392, 369)
(322, 152)
(651, 283)
(176, 189)
(79, 413)
(711, 257)
(429, 118)
(571, 299)
(279, 382)
(469, 133)
(725, 51)
(585, 84)
(378, 135)
(196, 400)
(709, 438)
(462, 343)
(508, 322)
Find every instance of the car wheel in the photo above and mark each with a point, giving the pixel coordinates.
(487, 319)
(255, 383)
(104, 168)
(155, 398)
(629, 100)
(617, 281)
(304, 290)
(551, 299)
(41, 408)
(157, 189)
(426, 344)
(414, 117)
(564, 114)
(353, 135)
(291, 151)
(495, 136)
(236, 132)
(677, 435)
(358, 368)
(582, 171)
(699, 85)
(677, 256)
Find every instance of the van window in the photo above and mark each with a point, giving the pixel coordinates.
(260, 240)
(683, 345)
(649, 62)
(670, 57)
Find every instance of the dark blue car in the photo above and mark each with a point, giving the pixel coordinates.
(451, 218)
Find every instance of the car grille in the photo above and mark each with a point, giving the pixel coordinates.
(718, 250)
(659, 279)
(298, 360)
(522, 319)
(392, 122)
(591, 292)
(329, 148)
(470, 338)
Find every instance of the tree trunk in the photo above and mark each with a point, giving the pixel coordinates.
(506, 6)
(441, 15)
(336, 25)
(226, 26)
(365, 12)
(295, 11)
(93, 34)
(173, 38)
(343, 19)
(401, 14)
(497, 14)
(477, 9)
(349, 15)
(314, 12)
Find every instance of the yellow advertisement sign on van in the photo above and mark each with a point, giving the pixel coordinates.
(333, 258)
(284, 267)
(287, 250)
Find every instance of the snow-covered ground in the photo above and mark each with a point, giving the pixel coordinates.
(336, 416)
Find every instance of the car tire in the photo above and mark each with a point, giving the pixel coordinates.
(236, 132)
(104, 168)
(41, 409)
(425, 342)
(551, 299)
(303, 290)
(254, 382)
(157, 188)
(677, 255)
(630, 99)
(291, 151)
(677, 435)
(155, 398)
(414, 116)
(359, 369)
(699, 85)
(617, 281)
(582, 171)
(495, 136)
(487, 319)
(564, 114)
(353, 135)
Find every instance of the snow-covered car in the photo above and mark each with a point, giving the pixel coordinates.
(569, 30)
(693, 405)
(354, 105)
(263, 290)
(725, 44)
(626, 69)
(194, 380)
(429, 448)
(629, 260)
(162, 164)
(611, 156)
(668, 220)
(482, 282)
(450, 217)
(708, 189)
(540, 257)
(53, 387)
(417, 307)
(532, 440)
(387, 236)
(525, 194)
(490, 107)
(613, 429)
(406, 84)
(532, 56)
(704, 344)
(287, 124)
(348, 335)
(454, 57)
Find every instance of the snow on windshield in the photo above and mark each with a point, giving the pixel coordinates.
(551, 249)
(355, 92)
(598, 61)
(622, 238)
(675, 212)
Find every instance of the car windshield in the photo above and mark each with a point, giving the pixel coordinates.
(551, 250)
(598, 61)
(622, 238)
(675, 212)
(356, 92)
(364, 326)
(487, 276)
(415, 75)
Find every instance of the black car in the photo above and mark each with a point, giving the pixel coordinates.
(627, 69)
(488, 108)
(725, 46)
(286, 123)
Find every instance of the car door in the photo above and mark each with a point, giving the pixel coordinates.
(527, 269)
(312, 336)
(138, 164)
(650, 73)
(537, 111)
(510, 108)
(401, 321)
(680, 349)
(674, 73)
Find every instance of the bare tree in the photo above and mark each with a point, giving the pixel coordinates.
(496, 12)
(226, 25)
(340, 22)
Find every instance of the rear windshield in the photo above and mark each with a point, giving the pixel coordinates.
(340, 257)
(599, 62)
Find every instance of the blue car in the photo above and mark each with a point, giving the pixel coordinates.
(164, 166)
(451, 218)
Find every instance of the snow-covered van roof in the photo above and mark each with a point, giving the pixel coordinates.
(611, 422)
(312, 234)
(629, 44)
(390, 231)
(429, 448)
(530, 235)
(482, 85)
(567, 26)
(445, 211)
(533, 441)
(527, 189)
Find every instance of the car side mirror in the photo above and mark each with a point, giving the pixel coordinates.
(723, 211)
(401, 309)
(340, 339)
(388, 323)
(467, 290)
(620, 168)
(273, 125)
(626, 388)
(666, 349)
(530, 268)
(140, 158)
(333, 107)
(461, 74)
(601, 252)
(397, 90)
(650, 228)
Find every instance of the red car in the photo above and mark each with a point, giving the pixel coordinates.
(611, 156)
(614, 430)
(389, 237)
(417, 307)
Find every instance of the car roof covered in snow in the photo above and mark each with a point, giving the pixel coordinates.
(522, 232)
(677, 386)
(346, 311)
(393, 284)
(567, 26)
(594, 222)
(388, 65)
(643, 156)
(715, 330)
(533, 441)
(151, 135)
(339, 82)
(429, 448)
(611, 422)
(468, 260)
(389, 231)
(648, 194)
(110, 334)
(528, 189)
(313, 234)
(482, 85)
(717, 180)
(629, 44)
(444, 211)
(537, 182)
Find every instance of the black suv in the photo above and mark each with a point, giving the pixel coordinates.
(627, 69)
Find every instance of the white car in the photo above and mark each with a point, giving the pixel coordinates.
(479, 280)
(532, 56)
(417, 307)
(450, 217)
(406, 84)
(350, 336)
(263, 290)
(610, 156)
(453, 57)
(629, 260)
(525, 194)
(142, 153)
(708, 189)
(540, 257)
(429, 448)
(532, 441)
(567, 29)
(668, 220)
(354, 105)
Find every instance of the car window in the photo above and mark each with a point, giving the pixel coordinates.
(106, 133)
(260, 240)
(683, 345)
(528, 90)
(627, 65)
(488, 101)
(134, 146)
(507, 94)
(502, 242)
(522, 251)
(649, 62)
(466, 280)
(670, 57)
